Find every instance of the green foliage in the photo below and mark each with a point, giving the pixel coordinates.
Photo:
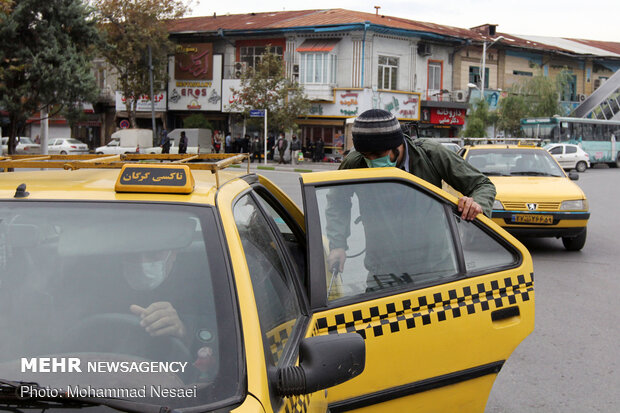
(478, 120)
(266, 87)
(538, 96)
(45, 55)
(197, 121)
(131, 27)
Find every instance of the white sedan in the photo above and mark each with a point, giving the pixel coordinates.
(569, 156)
(25, 146)
(66, 146)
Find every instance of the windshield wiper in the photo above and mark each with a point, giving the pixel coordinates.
(492, 173)
(9, 399)
(531, 173)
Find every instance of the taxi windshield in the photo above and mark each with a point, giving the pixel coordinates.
(514, 162)
(122, 300)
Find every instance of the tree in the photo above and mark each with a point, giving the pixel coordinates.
(45, 55)
(266, 87)
(538, 96)
(478, 120)
(131, 27)
(197, 121)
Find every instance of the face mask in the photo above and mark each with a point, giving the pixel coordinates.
(382, 162)
(148, 275)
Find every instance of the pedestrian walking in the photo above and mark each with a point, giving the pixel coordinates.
(183, 143)
(295, 148)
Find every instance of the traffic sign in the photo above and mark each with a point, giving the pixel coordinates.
(257, 113)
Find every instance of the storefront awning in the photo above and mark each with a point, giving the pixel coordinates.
(318, 45)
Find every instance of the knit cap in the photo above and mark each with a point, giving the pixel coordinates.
(376, 130)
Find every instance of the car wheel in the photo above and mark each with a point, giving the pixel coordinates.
(581, 166)
(99, 153)
(575, 243)
(618, 160)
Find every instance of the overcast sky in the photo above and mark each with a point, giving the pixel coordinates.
(594, 20)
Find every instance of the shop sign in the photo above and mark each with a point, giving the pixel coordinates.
(447, 116)
(197, 94)
(351, 103)
(193, 61)
(143, 104)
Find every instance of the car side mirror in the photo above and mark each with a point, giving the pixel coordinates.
(574, 176)
(324, 361)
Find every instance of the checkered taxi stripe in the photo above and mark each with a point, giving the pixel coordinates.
(297, 404)
(278, 336)
(424, 310)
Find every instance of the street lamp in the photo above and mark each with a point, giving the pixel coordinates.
(484, 59)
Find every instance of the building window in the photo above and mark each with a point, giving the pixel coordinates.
(434, 75)
(318, 68)
(474, 76)
(388, 72)
(252, 55)
(522, 73)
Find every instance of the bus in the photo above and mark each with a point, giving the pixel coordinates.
(595, 136)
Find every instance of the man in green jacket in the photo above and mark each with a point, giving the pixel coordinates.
(379, 142)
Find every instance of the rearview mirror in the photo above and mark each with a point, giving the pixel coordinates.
(324, 361)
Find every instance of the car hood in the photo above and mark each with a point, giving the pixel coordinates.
(535, 187)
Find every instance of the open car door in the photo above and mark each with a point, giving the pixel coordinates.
(441, 302)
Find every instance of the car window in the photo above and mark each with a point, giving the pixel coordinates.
(73, 141)
(75, 278)
(276, 299)
(292, 235)
(402, 243)
(556, 150)
(571, 149)
(480, 250)
(514, 162)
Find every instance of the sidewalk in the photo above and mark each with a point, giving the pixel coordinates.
(300, 167)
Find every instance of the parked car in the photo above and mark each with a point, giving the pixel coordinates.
(66, 146)
(25, 146)
(569, 156)
(111, 148)
(230, 279)
(454, 147)
(534, 197)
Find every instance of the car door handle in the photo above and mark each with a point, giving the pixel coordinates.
(505, 313)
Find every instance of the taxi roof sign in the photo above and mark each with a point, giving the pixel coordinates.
(177, 179)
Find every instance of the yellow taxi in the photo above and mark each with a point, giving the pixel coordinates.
(149, 283)
(534, 197)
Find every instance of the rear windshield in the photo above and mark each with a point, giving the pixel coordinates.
(130, 300)
(74, 141)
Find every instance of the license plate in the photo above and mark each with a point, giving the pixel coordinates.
(532, 219)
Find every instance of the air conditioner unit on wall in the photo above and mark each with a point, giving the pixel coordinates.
(581, 97)
(459, 95)
(239, 69)
(424, 49)
(295, 69)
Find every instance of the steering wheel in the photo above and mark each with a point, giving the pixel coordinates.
(122, 333)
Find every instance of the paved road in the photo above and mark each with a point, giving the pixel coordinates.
(571, 362)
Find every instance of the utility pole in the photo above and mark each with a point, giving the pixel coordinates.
(152, 96)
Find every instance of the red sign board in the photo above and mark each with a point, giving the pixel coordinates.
(194, 61)
(447, 116)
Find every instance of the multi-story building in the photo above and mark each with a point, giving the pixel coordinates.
(351, 61)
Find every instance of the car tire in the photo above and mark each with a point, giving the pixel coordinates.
(63, 152)
(99, 153)
(575, 243)
(581, 166)
(617, 165)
